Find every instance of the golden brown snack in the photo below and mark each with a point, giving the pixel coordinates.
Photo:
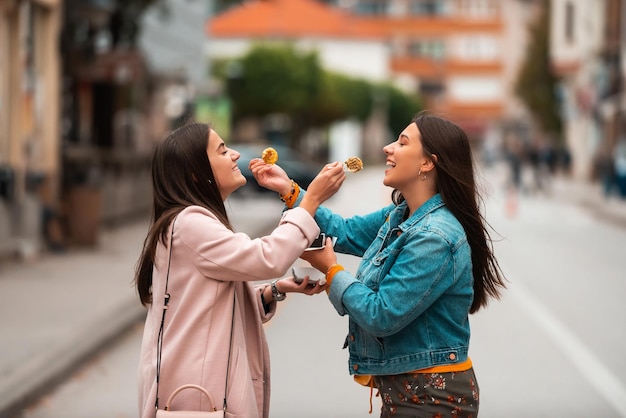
(269, 155)
(354, 164)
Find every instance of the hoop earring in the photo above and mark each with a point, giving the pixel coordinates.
(419, 174)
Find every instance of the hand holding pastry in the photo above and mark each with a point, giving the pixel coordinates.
(270, 176)
(323, 186)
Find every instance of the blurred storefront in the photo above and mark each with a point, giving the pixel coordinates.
(77, 124)
(105, 159)
(29, 121)
(123, 70)
(106, 136)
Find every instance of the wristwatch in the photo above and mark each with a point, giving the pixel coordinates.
(275, 293)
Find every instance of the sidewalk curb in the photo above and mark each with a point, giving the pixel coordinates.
(44, 371)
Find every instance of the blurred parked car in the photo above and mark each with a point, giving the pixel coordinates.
(298, 166)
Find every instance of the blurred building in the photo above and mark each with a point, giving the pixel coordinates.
(29, 120)
(343, 42)
(106, 120)
(588, 52)
(83, 99)
(130, 73)
(460, 56)
(173, 39)
(577, 38)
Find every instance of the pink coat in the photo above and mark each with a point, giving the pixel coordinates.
(209, 264)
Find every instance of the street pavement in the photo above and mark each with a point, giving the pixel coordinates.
(61, 309)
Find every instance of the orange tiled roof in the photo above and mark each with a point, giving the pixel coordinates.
(288, 18)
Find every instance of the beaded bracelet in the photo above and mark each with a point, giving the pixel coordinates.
(291, 198)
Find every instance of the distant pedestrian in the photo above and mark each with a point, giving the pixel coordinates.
(427, 263)
(541, 157)
(604, 166)
(620, 166)
(514, 150)
(209, 269)
(515, 156)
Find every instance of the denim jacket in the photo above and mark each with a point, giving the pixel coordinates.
(409, 302)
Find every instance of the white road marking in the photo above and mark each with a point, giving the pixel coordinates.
(596, 373)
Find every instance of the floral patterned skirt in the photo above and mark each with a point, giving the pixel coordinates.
(429, 395)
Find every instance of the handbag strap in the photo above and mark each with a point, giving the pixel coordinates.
(230, 347)
(165, 306)
(190, 386)
(160, 337)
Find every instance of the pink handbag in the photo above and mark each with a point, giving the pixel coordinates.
(167, 413)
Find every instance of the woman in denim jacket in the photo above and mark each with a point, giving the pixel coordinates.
(427, 263)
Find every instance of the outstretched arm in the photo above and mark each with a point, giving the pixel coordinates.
(323, 186)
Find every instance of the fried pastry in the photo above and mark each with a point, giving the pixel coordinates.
(354, 164)
(269, 155)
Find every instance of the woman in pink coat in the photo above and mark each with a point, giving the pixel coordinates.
(211, 270)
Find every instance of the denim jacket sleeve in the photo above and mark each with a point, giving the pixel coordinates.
(354, 235)
(409, 279)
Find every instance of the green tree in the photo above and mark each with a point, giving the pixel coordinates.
(341, 97)
(400, 107)
(536, 84)
(274, 78)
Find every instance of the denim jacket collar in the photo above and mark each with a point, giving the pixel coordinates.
(429, 206)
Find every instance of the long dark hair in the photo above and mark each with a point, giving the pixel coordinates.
(457, 186)
(181, 176)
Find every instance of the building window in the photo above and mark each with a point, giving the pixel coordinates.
(427, 7)
(427, 48)
(475, 89)
(477, 48)
(569, 22)
(478, 8)
(431, 88)
(371, 7)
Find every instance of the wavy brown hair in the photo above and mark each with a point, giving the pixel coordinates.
(181, 176)
(457, 186)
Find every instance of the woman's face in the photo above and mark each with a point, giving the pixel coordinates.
(404, 159)
(224, 164)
